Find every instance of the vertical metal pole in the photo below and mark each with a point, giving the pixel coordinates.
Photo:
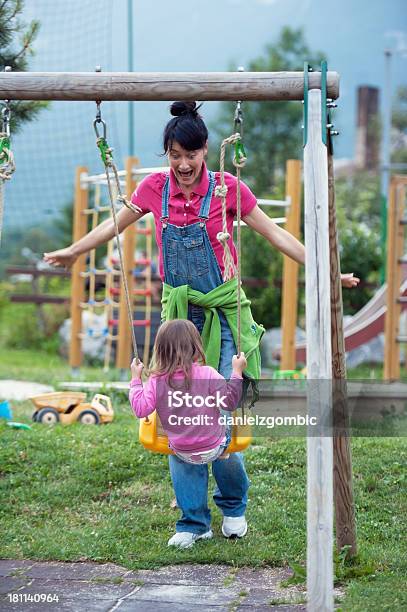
(130, 69)
(385, 173)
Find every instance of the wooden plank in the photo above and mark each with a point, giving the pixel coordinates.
(319, 365)
(78, 283)
(400, 233)
(38, 299)
(289, 301)
(389, 332)
(124, 346)
(160, 85)
(33, 271)
(342, 459)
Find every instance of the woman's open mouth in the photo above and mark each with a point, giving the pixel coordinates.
(185, 175)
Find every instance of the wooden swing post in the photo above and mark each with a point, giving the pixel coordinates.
(345, 522)
(319, 365)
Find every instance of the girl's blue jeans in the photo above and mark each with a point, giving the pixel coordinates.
(191, 481)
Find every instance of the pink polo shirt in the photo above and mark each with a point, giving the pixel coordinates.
(183, 212)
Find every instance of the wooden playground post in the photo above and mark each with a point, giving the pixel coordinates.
(289, 300)
(391, 349)
(124, 344)
(395, 248)
(319, 365)
(78, 281)
(342, 458)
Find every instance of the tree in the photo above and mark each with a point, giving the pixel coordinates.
(16, 39)
(399, 127)
(272, 130)
(358, 205)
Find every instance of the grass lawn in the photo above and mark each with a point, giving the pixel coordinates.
(75, 493)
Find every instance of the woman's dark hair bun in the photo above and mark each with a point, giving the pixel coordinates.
(183, 108)
(186, 127)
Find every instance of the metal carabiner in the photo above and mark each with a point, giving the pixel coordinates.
(5, 115)
(239, 155)
(238, 118)
(98, 119)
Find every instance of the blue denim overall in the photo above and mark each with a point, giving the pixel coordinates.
(189, 259)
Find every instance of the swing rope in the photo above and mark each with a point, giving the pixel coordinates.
(230, 269)
(106, 154)
(221, 191)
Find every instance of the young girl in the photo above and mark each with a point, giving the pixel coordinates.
(188, 396)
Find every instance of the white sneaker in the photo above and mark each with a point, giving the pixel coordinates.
(234, 526)
(185, 539)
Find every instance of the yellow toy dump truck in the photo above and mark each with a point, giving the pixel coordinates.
(69, 406)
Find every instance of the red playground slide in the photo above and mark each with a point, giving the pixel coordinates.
(364, 325)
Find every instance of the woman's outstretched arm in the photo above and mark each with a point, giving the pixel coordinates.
(284, 241)
(100, 235)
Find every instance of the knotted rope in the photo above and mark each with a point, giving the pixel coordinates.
(230, 269)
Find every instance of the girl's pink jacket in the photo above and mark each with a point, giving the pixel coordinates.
(191, 418)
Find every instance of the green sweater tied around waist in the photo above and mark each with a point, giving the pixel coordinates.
(175, 306)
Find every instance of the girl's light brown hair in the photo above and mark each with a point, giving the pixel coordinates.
(177, 346)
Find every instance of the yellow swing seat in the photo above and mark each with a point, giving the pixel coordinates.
(154, 439)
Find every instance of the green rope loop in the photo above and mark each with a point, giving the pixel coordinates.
(106, 152)
(4, 150)
(240, 153)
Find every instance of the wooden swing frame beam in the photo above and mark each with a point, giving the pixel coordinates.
(156, 86)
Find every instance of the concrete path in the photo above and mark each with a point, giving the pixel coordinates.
(21, 390)
(91, 587)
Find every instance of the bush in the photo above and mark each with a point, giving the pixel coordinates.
(27, 326)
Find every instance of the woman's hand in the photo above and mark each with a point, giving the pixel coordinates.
(64, 258)
(136, 368)
(349, 281)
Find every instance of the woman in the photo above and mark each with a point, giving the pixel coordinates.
(188, 217)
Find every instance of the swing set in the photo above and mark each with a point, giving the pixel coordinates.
(329, 474)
